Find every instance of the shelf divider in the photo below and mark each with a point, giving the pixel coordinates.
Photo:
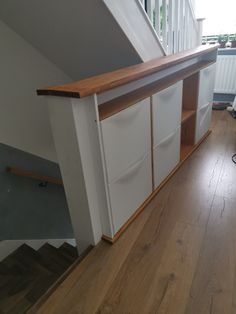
(187, 114)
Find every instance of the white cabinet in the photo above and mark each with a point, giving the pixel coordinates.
(138, 151)
(126, 138)
(203, 121)
(166, 156)
(206, 85)
(130, 190)
(205, 97)
(167, 107)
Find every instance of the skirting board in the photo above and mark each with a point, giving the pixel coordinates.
(149, 199)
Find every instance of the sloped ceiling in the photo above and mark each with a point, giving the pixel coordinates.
(79, 36)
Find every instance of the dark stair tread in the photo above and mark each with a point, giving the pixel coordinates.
(26, 260)
(25, 249)
(7, 304)
(26, 291)
(40, 287)
(20, 307)
(69, 251)
(4, 270)
(53, 254)
(14, 285)
(26, 274)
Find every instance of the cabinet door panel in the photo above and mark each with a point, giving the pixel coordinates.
(206, 85)
(203, 122)
(130, 190)
(126, 138)
(167, 106)
(166, 156)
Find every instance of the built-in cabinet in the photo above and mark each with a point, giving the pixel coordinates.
(204, 108)
(166, 117)
(121, 135)
(127, 152)
(146, 141)
(126, 138)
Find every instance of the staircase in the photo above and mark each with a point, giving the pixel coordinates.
(70, 45)
(175, 23)
(27, 274)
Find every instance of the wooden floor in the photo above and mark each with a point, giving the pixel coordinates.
(179, 256)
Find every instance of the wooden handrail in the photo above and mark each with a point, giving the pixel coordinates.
(108, 81)
(33, 175)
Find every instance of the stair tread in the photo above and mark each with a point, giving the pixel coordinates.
(13, 285)
(8, 303)
(52, 253)
(40, 287)
(25, 260)
(70, 248)
(27, 274)
(68, 251)
(20, 307)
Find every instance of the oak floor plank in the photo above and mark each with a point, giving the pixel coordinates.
(179, 256)
(92, 279)
(213, 287)
(213, 284)
(191, 207)
(170, 286)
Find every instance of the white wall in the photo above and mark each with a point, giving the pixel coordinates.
(80, 36)
(24, 121)
(219, 16)
(50, 43)
(137, 27)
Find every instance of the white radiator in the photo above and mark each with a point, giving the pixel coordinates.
(225, 74)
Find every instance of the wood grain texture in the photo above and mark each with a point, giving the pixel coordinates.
(186, 114)
(120, 103)
(33, 175)
(186, 151)
(178, 256)
(27, 274)
(188, 131)
(190, 92)
(107, 81)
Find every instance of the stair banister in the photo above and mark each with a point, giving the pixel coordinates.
(179, 29)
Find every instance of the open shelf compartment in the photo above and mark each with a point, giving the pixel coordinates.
(187, 114)
(189, 109)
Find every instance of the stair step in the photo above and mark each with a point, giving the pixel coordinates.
(25, 260)
(10, 304)
(13, 286)
(68, 251)
(51, 253)
(26, 275)
(19, 307)
(40, 287)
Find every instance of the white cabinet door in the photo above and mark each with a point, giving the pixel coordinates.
(166, 156)
(203, 121)
(130, 190)
(126, 138)
(206, 85)
(167, 107)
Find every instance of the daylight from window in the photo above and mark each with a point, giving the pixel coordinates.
(220, 16)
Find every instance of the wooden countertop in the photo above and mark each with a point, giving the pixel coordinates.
(107, 81)
(120, 103)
